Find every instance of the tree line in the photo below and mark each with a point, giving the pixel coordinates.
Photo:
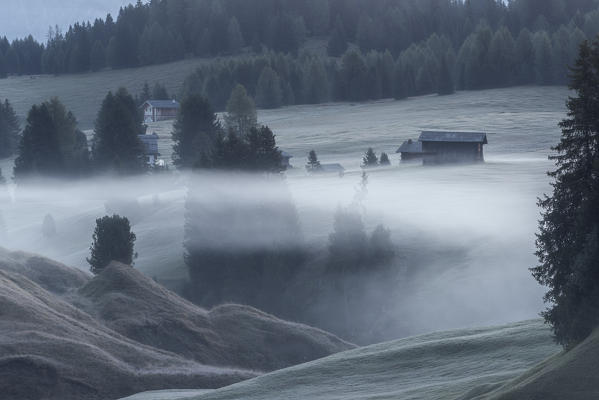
(51, 145)
(160, 31)
(487, 59)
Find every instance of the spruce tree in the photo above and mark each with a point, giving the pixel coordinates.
(194, 133)
(370, 160)
(159, 92)
(51, 144)
(116, 146)
(264, 155)
(313, 164)
(385, 159)
(112, 241)
(446, 84)
(337, 45)
(568, 238)
(268, 90)
(241, 113)
(9, 130)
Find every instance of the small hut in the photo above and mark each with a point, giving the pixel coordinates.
(442, 147)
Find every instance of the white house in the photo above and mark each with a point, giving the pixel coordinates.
(160, 110)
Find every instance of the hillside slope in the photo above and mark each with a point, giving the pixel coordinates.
(51, 350)
(572, 375)
(229, 335)
(57, 339)
(436, 366)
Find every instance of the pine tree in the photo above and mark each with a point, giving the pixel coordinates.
(159, 92)
(112, 241)
(97, 56)
(116, 146)
(337, 45)
(264, 155)
(194, 133)
(241, 112)
(268, 90)
(9, 130)
(313, 163)
(370, 160)
(385, 159)
(51, 144)
(568, 241)
(446, 84)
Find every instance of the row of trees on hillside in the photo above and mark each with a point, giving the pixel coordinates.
(51, 145)
(160, 31)
(487, 59)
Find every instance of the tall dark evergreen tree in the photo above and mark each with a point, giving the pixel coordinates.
(268, 91)
(116, 146)
(370, 159)
(313, 164)
(337, 45)
(446, 83)
(9, 130)
(51, 144)
(568, 241)
(195, 133)
(112, 241)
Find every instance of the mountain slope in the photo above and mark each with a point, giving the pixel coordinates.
(436, 366)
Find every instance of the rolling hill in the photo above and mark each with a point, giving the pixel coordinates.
(65, 335)
(436, 366)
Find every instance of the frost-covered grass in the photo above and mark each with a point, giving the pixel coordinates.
(438, 366)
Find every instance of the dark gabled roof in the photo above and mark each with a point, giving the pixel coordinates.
(453, 137)
(411, 147)
(163, 103)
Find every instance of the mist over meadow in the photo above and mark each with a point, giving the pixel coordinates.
(463, 235)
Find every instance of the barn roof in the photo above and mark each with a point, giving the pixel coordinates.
(453, 137)
(163, 103)
(411, 147)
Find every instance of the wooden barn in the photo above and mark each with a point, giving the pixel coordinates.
(442, 147)
(410, 150)
(160, 110)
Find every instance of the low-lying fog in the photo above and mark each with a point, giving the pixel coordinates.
(486, 212)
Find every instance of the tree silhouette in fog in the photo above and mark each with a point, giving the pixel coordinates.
(112, 241)
(51, 144)
(116, 146)
(568, 239)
